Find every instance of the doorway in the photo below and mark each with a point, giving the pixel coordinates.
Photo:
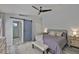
(27, 30)
(17, 31)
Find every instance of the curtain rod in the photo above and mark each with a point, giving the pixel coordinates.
(20, 18)
(17, 18)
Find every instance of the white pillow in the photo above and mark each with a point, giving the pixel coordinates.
(59, 34)
(39, 38)
(52, 33)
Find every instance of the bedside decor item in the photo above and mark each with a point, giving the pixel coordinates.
(45, 30)
(74, 38)
(74, 33)
(73, 42)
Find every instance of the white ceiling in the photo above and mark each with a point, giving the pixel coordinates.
(24, 8)
(28, 10)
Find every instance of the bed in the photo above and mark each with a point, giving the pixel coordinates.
(56, 40)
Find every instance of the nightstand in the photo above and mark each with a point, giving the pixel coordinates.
(73, 41)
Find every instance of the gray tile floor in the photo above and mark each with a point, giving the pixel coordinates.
(27, 49)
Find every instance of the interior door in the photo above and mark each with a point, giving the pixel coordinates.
(27, 30)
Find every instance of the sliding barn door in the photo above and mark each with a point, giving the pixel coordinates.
(27, 30)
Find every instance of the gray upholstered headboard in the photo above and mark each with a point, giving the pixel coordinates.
(64, 32)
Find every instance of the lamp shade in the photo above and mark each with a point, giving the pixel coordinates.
(45, 30)
(74, 33)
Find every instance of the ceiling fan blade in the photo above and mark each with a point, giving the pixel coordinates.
(35, 7)
(46, 10)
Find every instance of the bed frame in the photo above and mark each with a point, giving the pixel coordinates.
(61, 30)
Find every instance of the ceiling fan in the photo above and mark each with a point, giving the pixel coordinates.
(41, 10)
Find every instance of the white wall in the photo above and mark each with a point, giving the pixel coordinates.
(8, 33)
(1, 24)
(62, 17)
(37, 26)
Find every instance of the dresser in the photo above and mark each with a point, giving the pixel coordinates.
(73, 41)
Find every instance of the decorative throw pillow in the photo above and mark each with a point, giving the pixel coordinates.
(59, 34)
(62, 33)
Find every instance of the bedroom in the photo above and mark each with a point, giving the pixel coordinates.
(62, 17)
